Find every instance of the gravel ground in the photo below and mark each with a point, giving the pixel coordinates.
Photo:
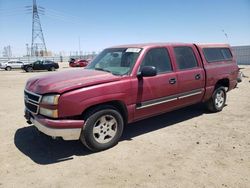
(184, 148)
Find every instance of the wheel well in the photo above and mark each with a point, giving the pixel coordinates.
(223, 82)
(118, 105)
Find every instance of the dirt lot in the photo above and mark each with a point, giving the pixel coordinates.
(185, 148)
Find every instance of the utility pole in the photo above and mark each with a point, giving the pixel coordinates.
(7, 52)
(27, 50)
(38, 43)
(79, 46)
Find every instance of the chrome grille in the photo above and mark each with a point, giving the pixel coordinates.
(32, 101)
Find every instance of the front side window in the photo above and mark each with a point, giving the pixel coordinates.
(37, 62)
(185, 58)
(118, 61)
(217, 54)
(158, 58)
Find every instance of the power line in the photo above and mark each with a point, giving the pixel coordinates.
(11, 12)
(63, 19)
(63, 14)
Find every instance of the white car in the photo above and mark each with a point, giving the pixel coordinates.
(11, 65)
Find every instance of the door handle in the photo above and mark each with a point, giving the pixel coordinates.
(172, 80)
(197, 76)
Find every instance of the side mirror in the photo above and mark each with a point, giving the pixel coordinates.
(148, 71)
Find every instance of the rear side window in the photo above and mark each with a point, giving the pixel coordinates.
(159, 58)
(185, 58)
(47, 62)
(217, 54)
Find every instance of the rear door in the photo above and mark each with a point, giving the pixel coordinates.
(19, 64)
(156, 94)
(190, 74)
(46, 65)
(15, 65)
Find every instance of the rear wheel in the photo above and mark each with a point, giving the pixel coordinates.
(8, 68)
(217, 102)
(52, 69)
(102, 129)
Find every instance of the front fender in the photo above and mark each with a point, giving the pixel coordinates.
(103, 99)
(69, 108)
(74, 103)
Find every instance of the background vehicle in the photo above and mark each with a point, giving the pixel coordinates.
(41, 65)
(71, 60)
(125, 84)
(78, 63)
(11, 65)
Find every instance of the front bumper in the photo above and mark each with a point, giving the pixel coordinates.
(67, 129)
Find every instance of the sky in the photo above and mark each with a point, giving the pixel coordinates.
(92, 25)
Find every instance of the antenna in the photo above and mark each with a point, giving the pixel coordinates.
(226, 35)
(38, 47)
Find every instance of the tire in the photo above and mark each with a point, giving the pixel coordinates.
(52, 69)
(8, 68)
(102, 129)
(217, 102)
(29, 69)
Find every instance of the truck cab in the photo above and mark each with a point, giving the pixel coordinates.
(127, 83)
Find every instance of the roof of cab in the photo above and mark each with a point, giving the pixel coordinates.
(148, 45)
(143, 45)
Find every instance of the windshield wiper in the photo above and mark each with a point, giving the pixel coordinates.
(102, 69)
(106, 70)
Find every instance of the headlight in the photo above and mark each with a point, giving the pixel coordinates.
(45, 108)
(50, 99)
(49, 112)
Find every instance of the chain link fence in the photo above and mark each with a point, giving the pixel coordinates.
(28, 59)
(242, 55)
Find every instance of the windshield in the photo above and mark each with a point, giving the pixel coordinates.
(118, 61)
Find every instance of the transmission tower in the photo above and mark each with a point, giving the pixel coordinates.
(38, 46)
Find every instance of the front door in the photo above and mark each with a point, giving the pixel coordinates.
(38, 65)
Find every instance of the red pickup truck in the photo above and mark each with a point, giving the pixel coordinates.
(124, 84)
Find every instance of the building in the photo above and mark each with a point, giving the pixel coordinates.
(242, 54)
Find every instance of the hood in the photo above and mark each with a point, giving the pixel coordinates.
(68, 80)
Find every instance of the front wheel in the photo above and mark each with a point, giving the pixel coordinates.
(29, 69)
(8, 68)
(103, 128)
(217, 102)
